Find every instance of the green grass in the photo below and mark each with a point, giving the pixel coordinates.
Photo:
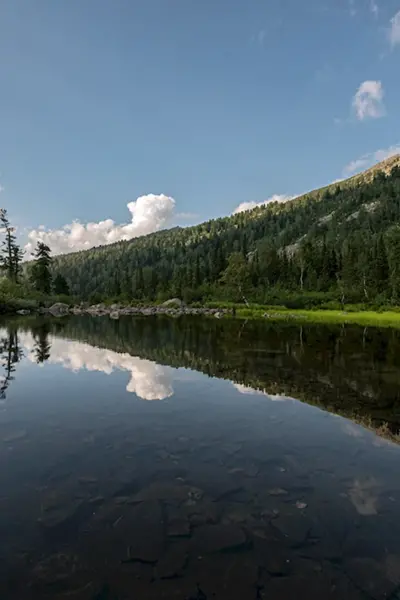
(364, 318)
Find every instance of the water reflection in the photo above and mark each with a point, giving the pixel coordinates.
(148, 380)
(10, 354)
(225, 490)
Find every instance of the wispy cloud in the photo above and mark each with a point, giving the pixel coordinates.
(352, 8)
(394, 30)
(148, 214)
(368, 101)
(368, 160)
(250, 205)
(374, 8)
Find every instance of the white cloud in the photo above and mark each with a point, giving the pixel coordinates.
(394, 30)
(368, 100)
(368, 160)
(149, 381)
(148, 213)
(250, 205)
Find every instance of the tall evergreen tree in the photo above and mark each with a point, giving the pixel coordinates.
(11, 252)
(41, 274)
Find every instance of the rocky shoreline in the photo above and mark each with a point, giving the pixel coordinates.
(115, 311)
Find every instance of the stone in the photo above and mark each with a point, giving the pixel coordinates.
(208, 539)
(277, 492)
(61, 575)
(114, 314)
(59, 309)
(144, 529)
(277, 565)
(168, 492)
(23, 311)
(175, 302)
(178, 527)
(173, 562)
(230, 577)
(371, 577)
(294, 528)
(65, 518)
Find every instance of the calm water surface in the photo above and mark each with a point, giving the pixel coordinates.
(197, 459)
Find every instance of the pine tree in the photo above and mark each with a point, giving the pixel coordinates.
(18, 255)
(12, 254)
(41, 275)
(60, 285)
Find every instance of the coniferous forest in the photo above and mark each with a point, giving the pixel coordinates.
(338, 244)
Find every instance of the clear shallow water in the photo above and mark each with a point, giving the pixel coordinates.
(161, 458)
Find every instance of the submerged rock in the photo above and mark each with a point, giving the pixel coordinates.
(173, 562)
(208, 539)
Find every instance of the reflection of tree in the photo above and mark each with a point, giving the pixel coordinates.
(42, 344)
(326, 366)
(10, 354)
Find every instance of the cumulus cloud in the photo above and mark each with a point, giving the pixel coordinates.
(394, 30)
(148, 213)
(148, 380)
(368, 101)
(250, 205)
(368, 160)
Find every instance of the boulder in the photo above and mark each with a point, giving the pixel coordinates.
(58, 309)
(114, 314)
(23, 311)
(173, 302)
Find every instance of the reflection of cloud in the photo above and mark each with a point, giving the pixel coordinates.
(243, 389)
(149, 380)
(363, 496)
(352, 430)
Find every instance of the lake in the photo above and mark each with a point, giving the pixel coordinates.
(198, 459)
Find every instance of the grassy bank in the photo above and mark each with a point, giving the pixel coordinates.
(352, 314)
(363, 318)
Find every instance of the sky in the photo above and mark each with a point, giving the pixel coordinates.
(122, 117)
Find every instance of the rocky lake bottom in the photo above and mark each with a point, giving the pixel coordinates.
(197, 459)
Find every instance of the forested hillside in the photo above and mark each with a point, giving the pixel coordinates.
(341, 242)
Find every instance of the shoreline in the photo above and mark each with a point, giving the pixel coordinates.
(363, 318)
(367, 318)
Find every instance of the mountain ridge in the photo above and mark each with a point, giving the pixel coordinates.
(310, 243)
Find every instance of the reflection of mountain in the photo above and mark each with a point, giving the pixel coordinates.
(345, 370)
(148, 380)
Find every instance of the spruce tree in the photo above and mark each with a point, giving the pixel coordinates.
(11, 252)
(41, 275)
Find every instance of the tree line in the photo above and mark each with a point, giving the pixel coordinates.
(38, 275)
(341, 244)
(336, 245)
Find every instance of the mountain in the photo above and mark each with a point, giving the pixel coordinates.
(340, 241)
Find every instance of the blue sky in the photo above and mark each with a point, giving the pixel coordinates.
(195, 106)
